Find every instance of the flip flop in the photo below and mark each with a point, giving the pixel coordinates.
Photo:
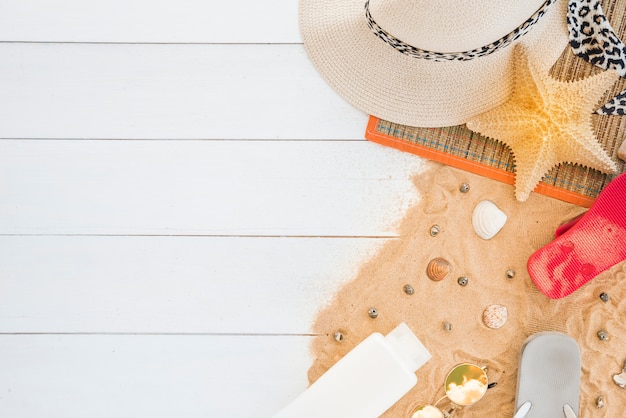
(563, 228)
(548, 381)
(585, 246)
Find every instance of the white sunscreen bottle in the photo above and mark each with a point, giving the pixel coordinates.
(365, 382)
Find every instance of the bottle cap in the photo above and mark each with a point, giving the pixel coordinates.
(408, 347)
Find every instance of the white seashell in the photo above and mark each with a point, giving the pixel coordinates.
(495, 316)
(620, 379)
(487, 219)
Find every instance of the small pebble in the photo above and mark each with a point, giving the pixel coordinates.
(492, 385)
(462, 281)
(464, 188)
(447, 326)
(435, 230)
(600, 402)
(602, 335)
(510, 273)
(338, 337)
(373, 313)
(604, 297)
(408, 289)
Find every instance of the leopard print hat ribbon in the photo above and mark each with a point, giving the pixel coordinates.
(419, 53)
(593, 39)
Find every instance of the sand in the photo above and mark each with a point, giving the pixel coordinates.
(380, 282)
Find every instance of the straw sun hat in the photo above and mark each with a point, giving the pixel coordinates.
(428, 62)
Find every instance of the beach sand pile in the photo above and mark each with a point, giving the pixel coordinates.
(488, 266)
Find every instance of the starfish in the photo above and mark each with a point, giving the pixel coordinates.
(546, 122)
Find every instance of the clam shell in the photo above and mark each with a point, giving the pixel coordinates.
(487, 219)
(438, 269)
(620, 379)
(495, 316)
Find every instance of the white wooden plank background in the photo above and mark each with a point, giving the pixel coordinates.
(180, 192)
(158, 284)
(145, 21)
(133, 376)
(285, 188)
(168, 92)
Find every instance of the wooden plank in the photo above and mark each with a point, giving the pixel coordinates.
(168, 91)
(234, 21)
(258, 188)
(149, 376)
(172, 284)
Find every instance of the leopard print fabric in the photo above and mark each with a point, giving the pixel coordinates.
(593, 38)
(617, 106)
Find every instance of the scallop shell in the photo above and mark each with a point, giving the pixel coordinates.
(487, 219)
(438, 269)
(495, 316)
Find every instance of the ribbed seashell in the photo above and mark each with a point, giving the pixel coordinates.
(487, 219)
(495, 316)
(438, 269)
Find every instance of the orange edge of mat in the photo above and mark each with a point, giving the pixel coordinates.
(471, 166)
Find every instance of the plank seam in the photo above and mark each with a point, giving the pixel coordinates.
(145, 43)
(205, 236)
(163, 334)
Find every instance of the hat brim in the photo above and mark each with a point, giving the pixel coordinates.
(379, 80)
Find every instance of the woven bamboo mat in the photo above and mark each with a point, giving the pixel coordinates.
(459, 147)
